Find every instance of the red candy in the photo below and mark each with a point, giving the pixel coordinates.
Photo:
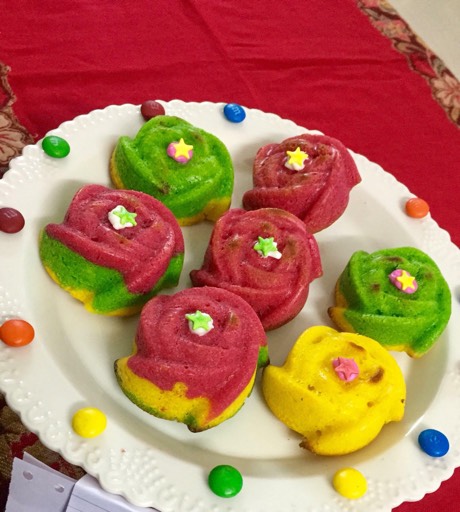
(417, 208)
(16, 333)
(11, 221)
(151, 109)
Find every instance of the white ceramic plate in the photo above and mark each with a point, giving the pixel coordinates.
(161, 464)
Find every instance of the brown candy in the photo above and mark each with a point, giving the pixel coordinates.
(11, 221)
(151, 109)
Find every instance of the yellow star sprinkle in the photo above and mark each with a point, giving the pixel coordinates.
(406, 280)
(296, 159)
(182, 149)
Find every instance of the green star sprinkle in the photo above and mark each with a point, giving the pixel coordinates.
(267, 247)
(199, 322)
(125, 218)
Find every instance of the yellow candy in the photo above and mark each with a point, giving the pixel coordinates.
(89, 422)
(350, 483)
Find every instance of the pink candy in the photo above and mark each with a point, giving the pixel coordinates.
(345, 368)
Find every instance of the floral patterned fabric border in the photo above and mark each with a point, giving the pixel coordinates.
(445, 88)
(13, 136)
(14, 440)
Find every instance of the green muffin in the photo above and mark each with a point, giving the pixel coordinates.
(186, 168)
(396, 296)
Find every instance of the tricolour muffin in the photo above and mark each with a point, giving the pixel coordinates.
(308, 175)
(335, 389)
(195, 357)
(265, 256)
(396, 296)
(114, 250)
(186, 168)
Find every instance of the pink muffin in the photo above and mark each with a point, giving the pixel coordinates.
(265, 256)
(309, 175)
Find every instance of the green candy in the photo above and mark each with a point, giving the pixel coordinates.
(225, 481)
(55, 146)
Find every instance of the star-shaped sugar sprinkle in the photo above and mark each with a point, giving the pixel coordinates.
(345, 368)
(267, 247)
(121, 218)
(296, 159)
(403, 281)
(180, 151)
(199, 323)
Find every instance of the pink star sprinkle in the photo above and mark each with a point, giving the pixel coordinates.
(345, 368)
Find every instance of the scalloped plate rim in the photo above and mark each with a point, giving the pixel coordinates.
(20, 403)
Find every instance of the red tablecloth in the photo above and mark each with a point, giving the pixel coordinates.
(323, 64)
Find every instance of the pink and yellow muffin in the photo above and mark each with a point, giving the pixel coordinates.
(195, 357)
(186, 168)
(335, 389)
(308, 175)
(265, 256)
(114, 250)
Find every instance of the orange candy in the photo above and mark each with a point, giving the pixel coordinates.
(16, 333)
(417, 208)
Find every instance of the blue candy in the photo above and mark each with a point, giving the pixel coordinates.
(234, 112)
(433, 442)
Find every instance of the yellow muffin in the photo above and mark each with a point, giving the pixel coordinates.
(336, 389)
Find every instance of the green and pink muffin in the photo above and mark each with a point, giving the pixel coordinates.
(114, 250)
(196, 354)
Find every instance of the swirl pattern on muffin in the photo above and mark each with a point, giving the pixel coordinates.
(113, 271)
(200, 378)
(315, 188)
(396, 296)
(195, 184)
(275, 285)
(335, 389)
